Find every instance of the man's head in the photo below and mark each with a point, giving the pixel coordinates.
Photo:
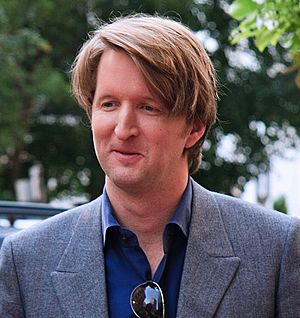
(173, 62)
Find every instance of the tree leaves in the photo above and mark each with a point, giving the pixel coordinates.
(268, 23)
(38, 42)
(240, 9)
(265, 37)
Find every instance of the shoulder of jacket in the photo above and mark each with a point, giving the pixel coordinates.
(60, 225)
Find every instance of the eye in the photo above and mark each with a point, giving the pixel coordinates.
(108, 105)
(150, 109)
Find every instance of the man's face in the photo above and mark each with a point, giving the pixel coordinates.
(138, 145)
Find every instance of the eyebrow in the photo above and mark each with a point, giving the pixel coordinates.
(101, 97)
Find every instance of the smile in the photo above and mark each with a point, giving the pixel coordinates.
(126, 157)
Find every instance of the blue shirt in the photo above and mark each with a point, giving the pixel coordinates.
(127, 266)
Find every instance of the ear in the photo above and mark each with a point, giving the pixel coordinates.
(196, 131)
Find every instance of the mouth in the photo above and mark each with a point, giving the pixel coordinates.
(126, 151)
(126, 155)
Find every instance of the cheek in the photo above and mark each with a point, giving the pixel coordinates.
(100, 127)
(99, 139)
(95, 133)
(166, 143)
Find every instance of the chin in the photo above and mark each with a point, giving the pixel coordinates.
(125, 180)
(129, 182)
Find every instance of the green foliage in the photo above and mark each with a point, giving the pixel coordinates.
(269, 22)
(280, 205)
(240, 9)
(41, 122)
(33, 85)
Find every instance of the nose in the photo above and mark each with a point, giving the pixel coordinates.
(126, 125)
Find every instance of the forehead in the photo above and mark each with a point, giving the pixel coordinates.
(117, 63)
(112, 57)
(118, 72)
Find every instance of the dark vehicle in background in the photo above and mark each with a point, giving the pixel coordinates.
(13, 211)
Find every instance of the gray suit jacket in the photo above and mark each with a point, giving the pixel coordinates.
(241, 261)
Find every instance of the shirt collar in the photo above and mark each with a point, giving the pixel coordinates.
(181, 217)
(182, 214)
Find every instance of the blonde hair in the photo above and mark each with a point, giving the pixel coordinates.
(173, 62)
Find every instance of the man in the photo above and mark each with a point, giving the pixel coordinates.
(155, 244)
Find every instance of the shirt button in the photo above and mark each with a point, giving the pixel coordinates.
(124, 238)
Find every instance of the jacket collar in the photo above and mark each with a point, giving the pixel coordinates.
(210, 264)
(79, 279)
(209, 268)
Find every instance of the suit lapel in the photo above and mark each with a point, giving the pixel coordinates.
(209, 268)
(210, 264)
(79, 279)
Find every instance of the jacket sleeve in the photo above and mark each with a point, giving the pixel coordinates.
(288, 292)
(10, 298)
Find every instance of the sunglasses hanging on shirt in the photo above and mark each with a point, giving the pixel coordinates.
(147, 301)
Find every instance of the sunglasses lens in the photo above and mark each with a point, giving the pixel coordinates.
(147, 301)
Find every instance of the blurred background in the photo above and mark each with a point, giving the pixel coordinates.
(46, 151)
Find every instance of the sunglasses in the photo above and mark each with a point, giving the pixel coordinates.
(147, 301)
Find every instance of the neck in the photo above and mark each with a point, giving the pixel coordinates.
(145, 211)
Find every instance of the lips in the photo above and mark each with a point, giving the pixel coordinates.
(128, 153)
(126, 150)
(126, 156)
